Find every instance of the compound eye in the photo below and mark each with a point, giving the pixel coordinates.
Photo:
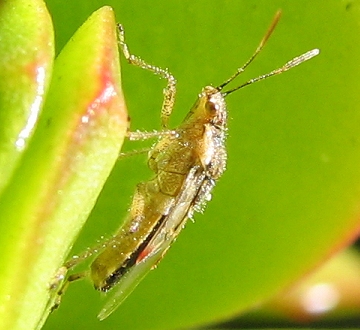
(212, 107)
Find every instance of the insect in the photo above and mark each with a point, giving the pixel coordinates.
(186, 162)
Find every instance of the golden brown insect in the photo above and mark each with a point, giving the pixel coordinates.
(186, 162)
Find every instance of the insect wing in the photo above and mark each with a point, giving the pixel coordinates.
(181, 211)
(127, 284)
(159, 243)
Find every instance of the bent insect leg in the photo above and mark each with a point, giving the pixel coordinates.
(61, 280)
(61, 274)
(169, 90)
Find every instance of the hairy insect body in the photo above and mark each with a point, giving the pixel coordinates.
(190, 160)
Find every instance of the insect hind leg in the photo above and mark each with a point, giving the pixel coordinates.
(169, 90)
(61, 280)
(60, 292)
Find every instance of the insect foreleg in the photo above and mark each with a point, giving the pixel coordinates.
(169, 90)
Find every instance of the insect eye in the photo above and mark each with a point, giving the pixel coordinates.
(212, 107)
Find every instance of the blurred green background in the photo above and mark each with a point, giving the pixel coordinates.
(290, 196)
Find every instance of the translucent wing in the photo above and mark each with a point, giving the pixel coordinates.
(128, 283)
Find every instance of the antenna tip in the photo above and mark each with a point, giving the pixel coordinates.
(316, 51)
(311, 53)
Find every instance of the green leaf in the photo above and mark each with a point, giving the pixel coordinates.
(330, 293)
(26, 58)
(75, 145)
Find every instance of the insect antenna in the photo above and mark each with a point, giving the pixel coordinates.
(287, 66)
(257, 51)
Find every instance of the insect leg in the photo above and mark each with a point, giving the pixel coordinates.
(61, 281)
(134, 152)
(74, 277)
(169, 90)
(140, 135)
